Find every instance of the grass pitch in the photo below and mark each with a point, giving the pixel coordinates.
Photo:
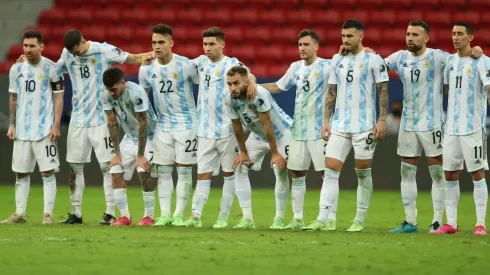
(34, 248)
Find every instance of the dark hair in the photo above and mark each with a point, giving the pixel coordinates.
(237, 70)
(72, 38)
(353, 23)
(311, 33)
(163, 29)
(469, 28)
(33, 34)
(214, 32)
(112, 75)
(420, 23)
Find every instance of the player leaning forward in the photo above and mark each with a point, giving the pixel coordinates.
(36, 103)
(353, 81)
(269, 127)
(126, 104)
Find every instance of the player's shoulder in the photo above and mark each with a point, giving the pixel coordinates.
(373, 56)
(323, 62)
(262, 93)
(16, 67)
(296, 65)
(133, 87)
(49, 63)
(181, 58)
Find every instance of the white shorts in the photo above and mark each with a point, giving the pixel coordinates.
(470, 149)
(129, 150)
(80, 142)
(257, 149)
(27, 153)
(339, 145)
(410, 144)
(302, 152)
(175, 147)
(211, 153)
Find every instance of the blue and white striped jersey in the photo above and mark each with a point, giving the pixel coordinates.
(248, 112)
(172, 86)
(467, 99)
(34, 86)
(422, 88)
(133, 100)
(356, 77)
(86, 79)
(311, 84)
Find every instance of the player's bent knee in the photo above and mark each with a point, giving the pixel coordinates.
(333, 164)
(21, 175)
(363, 163)
(434, 160)
(76, 167)
(451, 175)
(104, 167)
(147, 184)
(478, 175)
(205, 176)
(298, 174)
(411, 160)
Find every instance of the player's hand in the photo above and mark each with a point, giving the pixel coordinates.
(55, 132)
(147, 59)
(326, 131)
(251, 91)
(21, 58)
(342, 50)
(476, 52)
(278, 160)
(380, 130)
(116, 160)
(142, 162)
(240, 160)
(11, 132)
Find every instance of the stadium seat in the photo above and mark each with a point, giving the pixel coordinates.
(5, 66)
(428, 5)
(187, 16)
(470, 17)
(80, 15)
(382, 18)
(404, 17)
(439, 19)
(233, 34)
(327, 17)
(95, 34)
(291, 53)
(272, 17)
(259, 70)
(369, 4)
(314, 4)
(341, 5)
(242, 52)
(134, 17)
(260, 4)
(189, 51)
(479, 5)
(247, 16)
(216, 16)
(299, 17)
(271, 53)
(360, 15)
(52, 17)
(287, 4)
(15, 51)
(399, 5)
(161, 16)
(278, 70)
(453, 5)
(286, 36)
(106, 17)
(257, 36)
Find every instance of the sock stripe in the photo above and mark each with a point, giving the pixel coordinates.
(480, 184)
(184, 170)
(409, 166)
(165, 169)
(204, 183)
(229, 179)
(330, 173)
(299, 182)
(452, 184)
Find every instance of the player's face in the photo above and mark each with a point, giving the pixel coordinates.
(79, 49)
(162, 44)
(237, 85)
(213, 47)
(307, 47)
(461, 39)
(416, 38)
(32, 49)
(351, 38)
(117, 89)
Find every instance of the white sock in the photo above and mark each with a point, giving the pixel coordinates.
(244, 192)
(281, 191)
(183, 189)
(49, 190)
(165, 189)
(298, 190)
(329, 195)
(451, 202)
(437, 191)
(480, 195)
(364, 190)
(77, 194)
(122, 201)
(408, 188)
(108, 191)
(228, 196)
(149, 202)
(22, 187)
(200, 197)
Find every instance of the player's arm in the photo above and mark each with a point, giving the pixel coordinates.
(239, 135)
(487, 90)
(137, 59)
(331, 96)
(383, 100)
(58, 111)
(276, 158)
(142, 132)
(272, 88)
(113, 126)
(13, 115)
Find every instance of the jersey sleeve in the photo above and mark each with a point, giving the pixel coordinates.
(114, 54)
(446, 70)
(287, 81)
(56, 79)
(140, 99)
(192, 73)
(392, 61)
(235, 62)
(107, 101)
(380, 72)
(61, 64)
(232, 113)
(262, 101)
(484, 70)
(142, 77)
(13, 88)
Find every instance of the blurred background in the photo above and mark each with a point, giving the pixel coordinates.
(260, 33)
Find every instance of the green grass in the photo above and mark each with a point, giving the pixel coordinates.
(93, 249)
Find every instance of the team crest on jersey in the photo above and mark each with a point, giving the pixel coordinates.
(427, 64)
(469, 71)
(361, 66)
(218, 73)
(175, 75)
(94, 61)
(316, 75)
(41, 76)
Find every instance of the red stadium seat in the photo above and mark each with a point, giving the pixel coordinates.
(53, 52)
(5, 66)
(372, 36)
(260, 4)
(299, 17)
(329, 51)
(428, 5)
(369, 4)
(291, 53)
(272, 17)
(272, 53)
(190, 16)
(242, 53)
(315, 4)
(287, 36)
(278, 70)
(80, 15)
(405, 17)
(341, 4)
(95, 34)
(478, 5)
(161, 16)
(233, 34)
(52, 17)
(134, 16)
(258, 36)
(327, 17)
(119, 36)
(216, 16)
(453, 5)
(15, 51)
(439, 19)
(470, 17)
(247, 16)
(287, 4)
(399, 5)
(259, 70)
(106, 16)
(189, 51)
(382, 18)
(362, 16)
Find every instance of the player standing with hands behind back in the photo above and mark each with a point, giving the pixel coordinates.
(36, 103)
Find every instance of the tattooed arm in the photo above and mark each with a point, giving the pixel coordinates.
(113, 130)
(331, 95)
(13, 115)
(487, 90)
(380, 130)
(142, 132)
